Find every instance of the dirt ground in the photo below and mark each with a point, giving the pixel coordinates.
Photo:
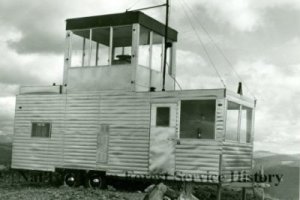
(16, 190)
(22, 192)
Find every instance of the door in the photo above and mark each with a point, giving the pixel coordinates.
(162, 138)
(102, 144)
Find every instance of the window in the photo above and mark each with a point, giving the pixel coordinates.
(144, 47)
(238, 123)
(122, 42)
(80, 48)
(92, 47)
(163, 116)
(100, 46)
(246, 125)
(232, 120)
(41, 129)
(197, 119)
(157, 52)
(169, 67)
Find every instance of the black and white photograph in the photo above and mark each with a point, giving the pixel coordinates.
(150, 100)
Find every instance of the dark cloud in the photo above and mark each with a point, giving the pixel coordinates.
(39, 22)
(42, 23)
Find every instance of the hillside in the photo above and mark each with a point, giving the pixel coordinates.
(6, 138)
(5, 153)
(286, 165)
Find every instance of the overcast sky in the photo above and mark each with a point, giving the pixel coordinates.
(260, 38)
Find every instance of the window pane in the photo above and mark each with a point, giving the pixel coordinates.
(197, 119)
(232, 121)
(246, 124)
(100, 46)
(157, 52)
(80, 48)
(163, 116)
(40, 129)
(144, 48)
(169, 63)
(122, 41)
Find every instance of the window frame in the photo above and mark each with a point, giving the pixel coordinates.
(248, 137)
(89, 41)
(43, 122)
(179, 119)
(169, 117)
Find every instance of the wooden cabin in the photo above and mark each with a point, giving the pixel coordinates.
(110, 116)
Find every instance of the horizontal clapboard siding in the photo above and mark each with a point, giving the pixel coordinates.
(81, 129)
(198, 157)
(237, 157)
(38, 153)
(220, 119)
(77, 119)
(128, 117)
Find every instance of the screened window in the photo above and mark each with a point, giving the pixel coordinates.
(41, 129)
(163, 116)
(232, 121)
(197, 119)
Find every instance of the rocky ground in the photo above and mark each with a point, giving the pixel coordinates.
(51, 193)
(35, 192)
(40, 191)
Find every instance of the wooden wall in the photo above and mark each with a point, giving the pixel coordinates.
(78, 119)
(236, 157)
(128, 117)
(38, 153)
(80, 131)
(198, 156)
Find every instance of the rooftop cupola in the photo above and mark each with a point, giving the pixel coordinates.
(122, 51)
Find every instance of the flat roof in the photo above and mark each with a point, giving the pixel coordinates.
(120, 19)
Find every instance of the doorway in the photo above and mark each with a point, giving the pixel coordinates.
(163, 138)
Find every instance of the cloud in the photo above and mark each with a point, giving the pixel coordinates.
(277, 112)
(241, 15)
(238, 14)
(261, 38)
(193, 72)
(42, 24)
(19, 69)
(8, 90)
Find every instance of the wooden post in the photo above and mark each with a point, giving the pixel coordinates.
(12, 177)
(244, 194)
(110, 45)
(150, 59)
(135, 54)
(219, 191)
(165, 45)
(68, 55)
